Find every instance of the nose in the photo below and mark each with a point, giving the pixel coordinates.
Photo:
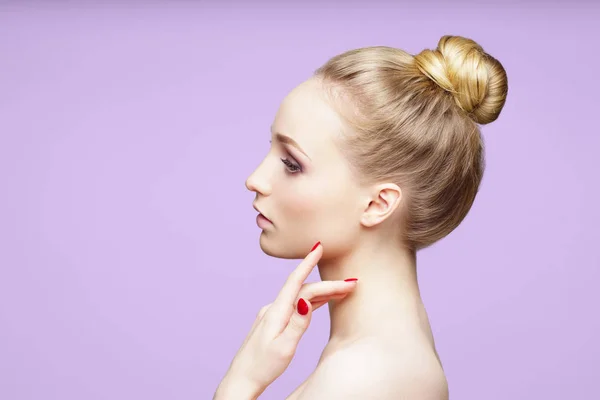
(258, 182)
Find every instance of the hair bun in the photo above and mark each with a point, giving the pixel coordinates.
(477, 80)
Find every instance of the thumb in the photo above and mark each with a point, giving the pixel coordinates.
(299, 322)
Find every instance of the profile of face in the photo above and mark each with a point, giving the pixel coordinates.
(304, 186)
(356, 140)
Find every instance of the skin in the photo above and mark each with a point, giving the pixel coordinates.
(273, 339)
(380, 345)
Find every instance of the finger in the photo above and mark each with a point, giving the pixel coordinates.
(291, 288)
(297, 325)
(257, 320)
(313, 290)
(319, 303)
(327, 298)
(316, 303)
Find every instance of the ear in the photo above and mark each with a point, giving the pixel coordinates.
(384, 199)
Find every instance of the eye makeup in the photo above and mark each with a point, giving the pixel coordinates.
(292, 167)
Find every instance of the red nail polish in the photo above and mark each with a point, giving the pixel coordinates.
(350, 279)
(315, 246)
(302, 307)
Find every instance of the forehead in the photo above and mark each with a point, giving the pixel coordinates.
(306, 115)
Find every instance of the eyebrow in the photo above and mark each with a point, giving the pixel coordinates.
(280, 137)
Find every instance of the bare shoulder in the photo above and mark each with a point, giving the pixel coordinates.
(374, 370)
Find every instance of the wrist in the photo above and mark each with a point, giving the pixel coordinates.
(236, 388)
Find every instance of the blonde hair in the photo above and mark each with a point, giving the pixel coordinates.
(414, 121)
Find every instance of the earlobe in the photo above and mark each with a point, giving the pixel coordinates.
(381, 205)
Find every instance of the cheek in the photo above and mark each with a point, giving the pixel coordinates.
(320, 208)
(301, 204)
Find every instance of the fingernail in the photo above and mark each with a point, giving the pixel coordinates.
(350, 279)
(315, 246)
(302, 307)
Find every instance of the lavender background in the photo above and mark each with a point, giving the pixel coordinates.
(129, 258)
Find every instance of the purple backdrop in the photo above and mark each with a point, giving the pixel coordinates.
(129, 258)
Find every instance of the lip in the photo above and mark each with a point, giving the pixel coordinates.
(260, 214)
(263, 222)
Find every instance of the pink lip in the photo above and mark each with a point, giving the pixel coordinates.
(262, 221)
(260, 212)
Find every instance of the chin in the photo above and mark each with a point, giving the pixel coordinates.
(283, 250)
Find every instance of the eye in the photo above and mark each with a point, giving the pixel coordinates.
(293, 168)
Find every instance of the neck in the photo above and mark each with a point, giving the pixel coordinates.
(386, 300)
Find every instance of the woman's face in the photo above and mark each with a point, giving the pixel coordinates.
(304, 185)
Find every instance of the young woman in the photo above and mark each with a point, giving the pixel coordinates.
(376, 156)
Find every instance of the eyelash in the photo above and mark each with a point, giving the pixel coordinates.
(290, 166)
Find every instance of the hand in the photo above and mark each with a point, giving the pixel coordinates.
(271, 344)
